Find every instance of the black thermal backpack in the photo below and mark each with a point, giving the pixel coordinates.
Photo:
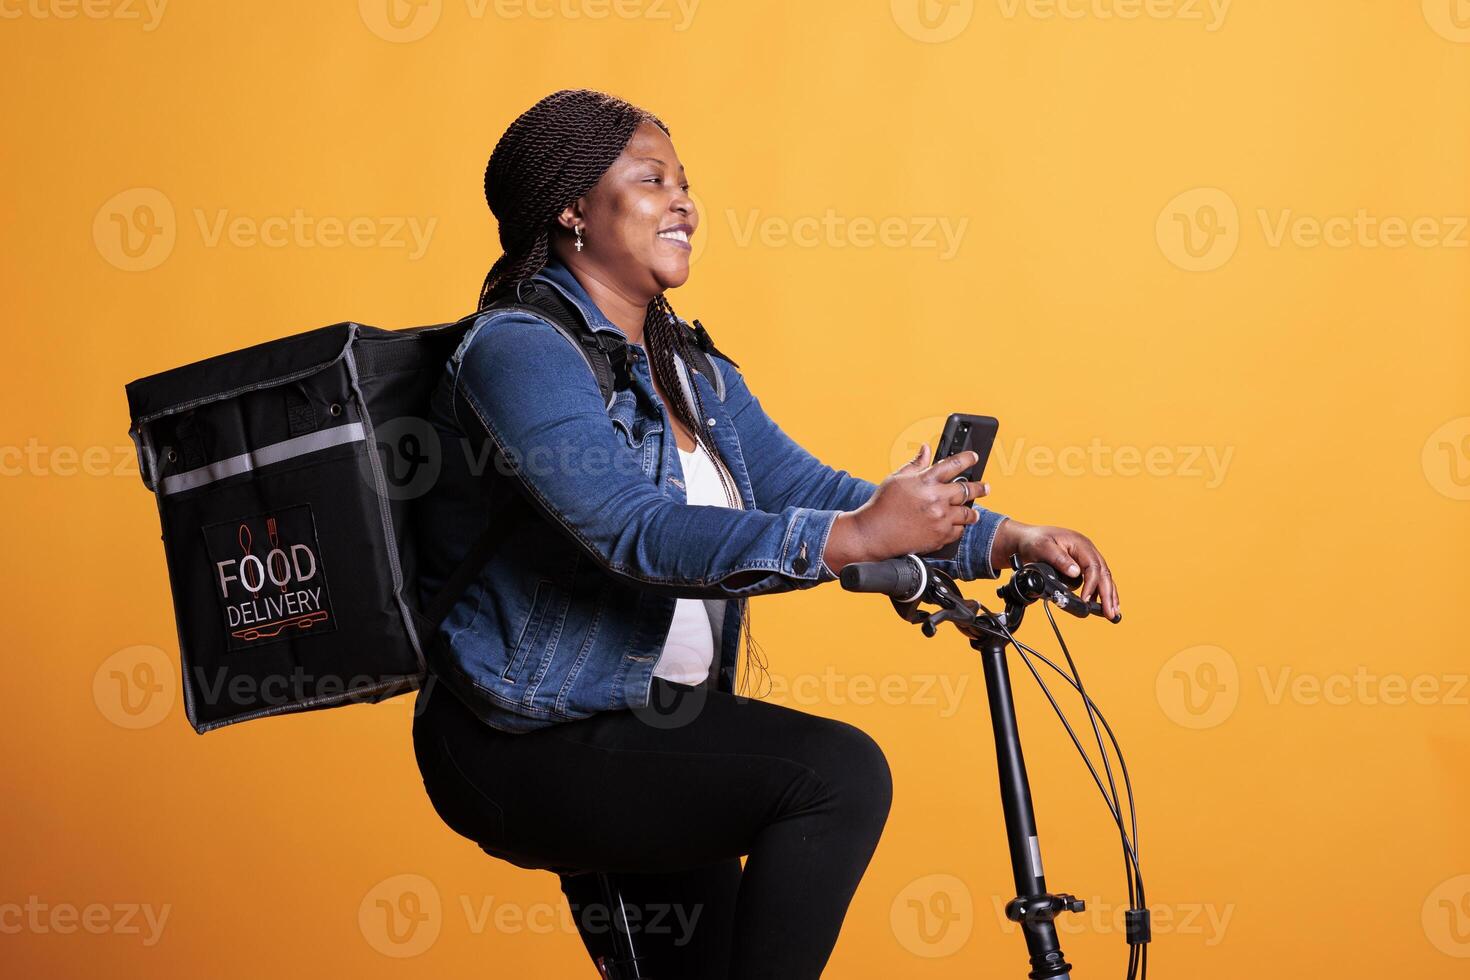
(290, 551)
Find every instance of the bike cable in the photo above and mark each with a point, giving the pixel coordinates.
(1137, 925)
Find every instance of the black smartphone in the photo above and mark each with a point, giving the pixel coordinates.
(963, 432)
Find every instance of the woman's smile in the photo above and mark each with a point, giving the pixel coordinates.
(677, 235)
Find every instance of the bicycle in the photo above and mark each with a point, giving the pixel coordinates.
(908, 581)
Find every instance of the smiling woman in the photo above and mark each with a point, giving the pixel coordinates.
(582, 714)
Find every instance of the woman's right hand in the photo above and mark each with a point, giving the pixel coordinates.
(915, 510)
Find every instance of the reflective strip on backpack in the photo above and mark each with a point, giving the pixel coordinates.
(276, 452)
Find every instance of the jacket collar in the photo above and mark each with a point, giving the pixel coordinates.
(560, 278)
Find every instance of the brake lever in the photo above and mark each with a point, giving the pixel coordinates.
(1040, 580)
(963, 615)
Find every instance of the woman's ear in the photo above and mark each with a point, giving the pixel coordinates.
(571, 215)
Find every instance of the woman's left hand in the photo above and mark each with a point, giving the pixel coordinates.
(1069, 552)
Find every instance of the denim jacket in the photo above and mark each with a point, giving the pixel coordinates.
(569, 615)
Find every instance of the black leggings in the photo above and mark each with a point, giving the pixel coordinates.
(668, 798)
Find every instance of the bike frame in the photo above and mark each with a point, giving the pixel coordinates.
(1034, 907)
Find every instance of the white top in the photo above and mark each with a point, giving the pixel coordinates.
(689, 651)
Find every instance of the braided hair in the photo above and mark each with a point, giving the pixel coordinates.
(550, 156)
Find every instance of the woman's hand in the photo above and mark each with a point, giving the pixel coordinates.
(917, 509)
(1069, 552)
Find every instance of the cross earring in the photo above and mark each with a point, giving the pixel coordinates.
(578, 230)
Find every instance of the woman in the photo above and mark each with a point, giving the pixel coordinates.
(581, 715)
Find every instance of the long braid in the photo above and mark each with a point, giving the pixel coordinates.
(664, 339)
(551, 155)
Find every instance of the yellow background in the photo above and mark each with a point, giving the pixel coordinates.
(1289, 677)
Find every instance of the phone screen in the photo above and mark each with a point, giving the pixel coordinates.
(962, 432)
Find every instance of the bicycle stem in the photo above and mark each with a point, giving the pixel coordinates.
(1033, 907)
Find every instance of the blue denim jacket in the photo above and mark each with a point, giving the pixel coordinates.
(569, 616)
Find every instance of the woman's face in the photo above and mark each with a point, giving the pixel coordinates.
(638, 220)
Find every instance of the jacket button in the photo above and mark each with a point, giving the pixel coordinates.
(798, 564)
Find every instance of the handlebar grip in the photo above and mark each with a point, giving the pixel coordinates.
(900, 578)
(1096, 609)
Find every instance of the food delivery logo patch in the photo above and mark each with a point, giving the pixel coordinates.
(268, 574)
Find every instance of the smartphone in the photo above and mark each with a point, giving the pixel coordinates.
(962, 432)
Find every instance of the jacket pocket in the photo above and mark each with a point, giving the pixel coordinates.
(530, 635)
(635, 426)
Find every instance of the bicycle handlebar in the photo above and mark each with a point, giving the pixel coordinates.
(907, 578)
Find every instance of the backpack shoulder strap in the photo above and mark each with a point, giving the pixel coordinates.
(701, 351)
(606, 353)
